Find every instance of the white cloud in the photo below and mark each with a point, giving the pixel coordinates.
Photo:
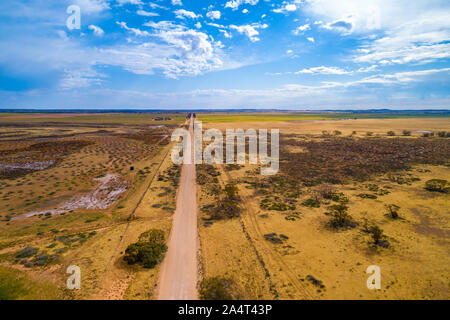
(288, 7)
(391, 79)
(147, 13)
(250, 30)
(181, 14)
(92, 6)
(214, 14)
(234, 4)
(136, 31)
(177, 3)
(97, 30)
(323, 70)
(301, 29)
(397, 32)
(135, 2)
(368, 69)
(74, 79)
(311, 39)
(291, 7)
(157, 6)
(183, 51)
(226, 33)
(198, 25)
(245, 11)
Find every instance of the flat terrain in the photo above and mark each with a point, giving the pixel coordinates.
(79, 194)
(282, 245)
(79, 189)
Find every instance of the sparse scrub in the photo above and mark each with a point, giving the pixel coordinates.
(339, 160)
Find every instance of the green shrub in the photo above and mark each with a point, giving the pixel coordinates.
(148, 251)
(367, 196)
(442, 134)
(437, 185)
(216, 288)
(406, 132)
(313, 203)
(27, 252)
(391, 133)
(153, 235)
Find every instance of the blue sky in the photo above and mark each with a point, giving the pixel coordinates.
(181, 54)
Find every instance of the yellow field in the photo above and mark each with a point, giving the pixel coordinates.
(313, 261)
(100, 236)
(415, 266)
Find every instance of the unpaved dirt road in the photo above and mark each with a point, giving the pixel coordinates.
(178, 275)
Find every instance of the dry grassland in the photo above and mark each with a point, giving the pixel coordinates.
(309, 259)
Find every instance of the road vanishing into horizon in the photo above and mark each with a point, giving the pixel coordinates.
(179, 270)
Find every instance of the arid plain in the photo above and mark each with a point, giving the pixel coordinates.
(352, 191)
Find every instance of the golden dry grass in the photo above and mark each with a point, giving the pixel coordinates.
(414, 267)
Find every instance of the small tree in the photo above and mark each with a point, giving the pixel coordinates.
(216, 288)
(406, 132)
(369, 134)
(377, 234)
(392, 210)
(231, 191)
(391, 133)
(441, 134)
(337, 132)
(341, 218)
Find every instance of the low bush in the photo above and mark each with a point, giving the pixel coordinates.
(313, 203)
(391, 133)
(406, 132)
(148, 251)
(367, 196)
(216, 288)
(27, 252)
(437, 185)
